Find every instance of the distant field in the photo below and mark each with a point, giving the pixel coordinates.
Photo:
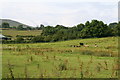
(60, 60)
(14, 33)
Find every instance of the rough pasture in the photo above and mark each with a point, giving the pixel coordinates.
(60, 60)
(14, 33)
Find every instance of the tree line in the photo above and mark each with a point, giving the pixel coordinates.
(93, 29)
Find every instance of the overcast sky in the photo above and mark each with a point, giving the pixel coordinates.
(64, 12)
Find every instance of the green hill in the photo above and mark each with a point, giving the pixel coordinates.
(13, 23)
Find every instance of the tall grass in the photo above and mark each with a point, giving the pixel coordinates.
(59, 60)
(10, 70)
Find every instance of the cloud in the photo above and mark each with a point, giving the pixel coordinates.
(60, 0)
(64, 13)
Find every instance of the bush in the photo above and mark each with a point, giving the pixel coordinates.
(19, 40)
(87, 52)
(8, 41)
(103, 54)
(38, 39)
(48, 38)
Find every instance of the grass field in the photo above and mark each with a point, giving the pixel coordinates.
(60, 60)
(14, 33)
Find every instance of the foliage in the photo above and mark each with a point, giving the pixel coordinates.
(62, 66)
(20, 27)
(19, 40)
(38, 39)
(91, 29)
(5, 25)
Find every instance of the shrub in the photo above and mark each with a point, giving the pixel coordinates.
(105, 55)
(62, 66)
(19, 40)
(87, 52)
(48, 38)
(102, 54)
(38, 39)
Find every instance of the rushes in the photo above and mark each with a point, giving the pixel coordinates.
(81, 70)
(115, 68)
(79, 60)
(54, 57)
(47, 57)
(113, 71)
(38, 66)
(106, 65)
(26, 72)
(91, 59)
(100, 53)
(11, 71)
(81, 74)
(81, 66)
(30, 59)
(41, 75)
(62, 66)
(98, 68)
(101, 66)
(87, 72)
(70, 65)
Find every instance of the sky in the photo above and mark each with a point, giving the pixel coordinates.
(119, 11)
(62, 12)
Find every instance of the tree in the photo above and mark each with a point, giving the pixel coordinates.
(91, 29)
(87, 23)
(41, 27)
(95, 29)
(56, 37)
(118, 29)
(19, 40)
(29, 28)
(20, 27)
(58, 27)
(13, 27)
(49, 30)
(38, 39)
(5, 25)
(80, 27)
(113, 27)
(48, 38)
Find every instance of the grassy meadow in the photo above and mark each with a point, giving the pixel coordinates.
(61, 60)
(14, 33)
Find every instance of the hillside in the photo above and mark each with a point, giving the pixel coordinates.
(21, 32)
(60, 60)
(13, 23)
